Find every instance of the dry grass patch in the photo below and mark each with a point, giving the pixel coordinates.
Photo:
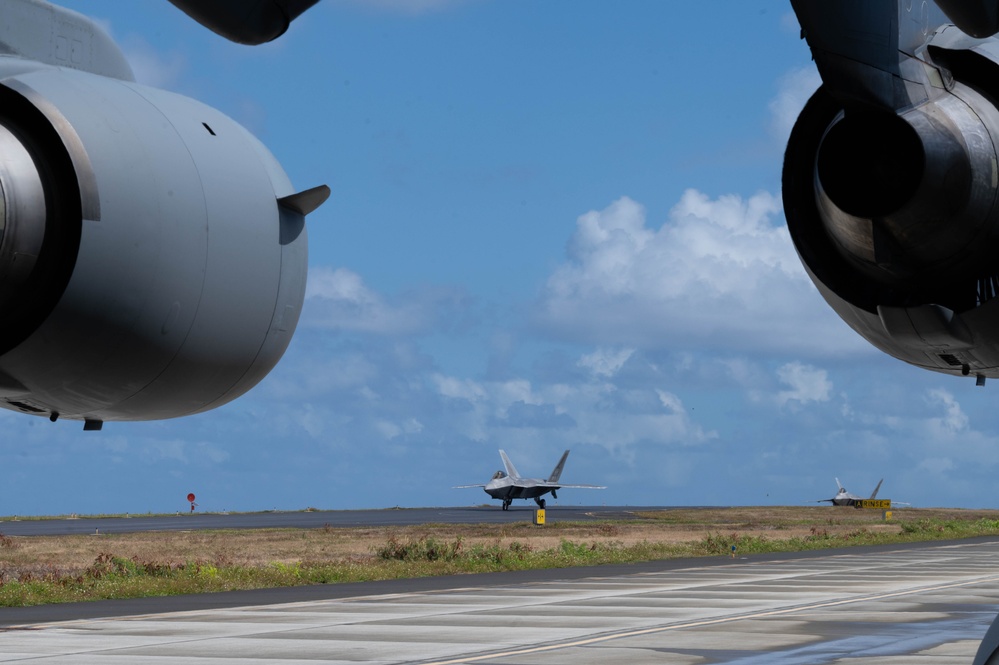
(57, 568)
(261, 547)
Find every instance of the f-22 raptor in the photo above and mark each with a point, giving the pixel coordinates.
(508, 485)
(844, 498)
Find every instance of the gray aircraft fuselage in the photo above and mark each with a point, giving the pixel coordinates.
(508, 485)
(523, 488)
(844, 498)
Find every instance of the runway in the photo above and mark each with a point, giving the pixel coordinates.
(878, 606)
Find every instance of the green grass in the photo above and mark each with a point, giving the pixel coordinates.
(111, 576)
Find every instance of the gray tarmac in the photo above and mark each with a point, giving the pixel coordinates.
(927, 603)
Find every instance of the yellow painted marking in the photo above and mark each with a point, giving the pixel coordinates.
(708, 622)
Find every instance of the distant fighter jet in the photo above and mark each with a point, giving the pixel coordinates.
(844, 498)
(508, 485)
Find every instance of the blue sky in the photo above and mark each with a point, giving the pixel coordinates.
(553, 225)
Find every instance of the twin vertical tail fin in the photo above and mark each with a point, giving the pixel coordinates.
(874, 494)
(511, 470)
(557, 471)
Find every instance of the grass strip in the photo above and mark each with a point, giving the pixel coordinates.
(115, 575)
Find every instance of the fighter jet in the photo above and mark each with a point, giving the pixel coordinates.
(890, 184)
(152, 251)
(844, 498)
(508, 485)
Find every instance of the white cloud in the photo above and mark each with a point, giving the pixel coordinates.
(387, 430)
(605, 362)
(347, 371)
(338, 299)
(953, 420)
(312, 420)
(172, 450)
(211, 453)
(670, 401)
(806, 384)
(933, 434)
(464, 389)
(156, 451)
(390, 430)
(794, 89)
(159, 70)
(937, 465)
(719, 274)
(596, 413)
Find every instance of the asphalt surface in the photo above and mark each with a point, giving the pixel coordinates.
(310, 520)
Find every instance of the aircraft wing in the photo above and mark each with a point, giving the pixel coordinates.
(463, 487)
(559, 486)
(865, 49)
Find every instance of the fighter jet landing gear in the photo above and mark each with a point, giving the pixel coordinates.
(506, 504)
(540, 502)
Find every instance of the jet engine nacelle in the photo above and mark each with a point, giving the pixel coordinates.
(152, 252)
(894, 214)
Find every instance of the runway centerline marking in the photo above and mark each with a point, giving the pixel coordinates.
(709, 622)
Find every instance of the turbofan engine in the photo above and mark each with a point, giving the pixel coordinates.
(152, 252)
(893, 212)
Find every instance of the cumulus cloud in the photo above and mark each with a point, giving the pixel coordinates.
(462, 389)
(338, 299)
(540, 416)
(794, 89)
(719, 274)
(805, 384)
(937, 465)
(598, 413)
(953, 419)
(605, 362)
(152, 68)
(391, 430)
(349, 370)
(387, 430)
(152, 450)
(211, 453)
(934, 434)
